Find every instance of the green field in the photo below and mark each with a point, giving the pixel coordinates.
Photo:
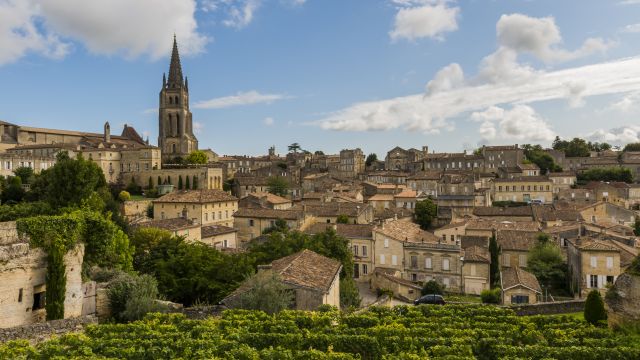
(402, 332)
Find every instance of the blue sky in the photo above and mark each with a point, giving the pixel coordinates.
(330, 74)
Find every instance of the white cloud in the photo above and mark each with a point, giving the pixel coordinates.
(419, 19)
(130, 28)
(621, 76)
(268, 121)
(627, 103)
(198, 127)
(502, 66)
(240, 12)
(631, 28)
(541, 37)
(520, 123)
(629, 2)
(242, 98)
(449, 77)
(20, 35)
(618, 136)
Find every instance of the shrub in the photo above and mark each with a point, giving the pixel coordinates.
(594, 308)
(342, 219)
(132, 296)
(266, 292)
(432, 287)
(491, 296)
(124, 196)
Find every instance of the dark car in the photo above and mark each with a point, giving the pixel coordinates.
(430, 299)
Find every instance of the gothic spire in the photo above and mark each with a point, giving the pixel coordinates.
(175, 69)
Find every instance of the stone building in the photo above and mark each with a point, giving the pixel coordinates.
(523, 189)
(205, 207)
(251, 223)
(23, 273)
(314, 280)
(401, 159)
(176, 226)
(593, 264)
(497, 156)
(519, 287)
(175, 123)
(475, 269)
(351, 163)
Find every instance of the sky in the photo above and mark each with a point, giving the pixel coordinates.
(452, 75)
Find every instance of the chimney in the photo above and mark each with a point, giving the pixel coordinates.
(107, 132)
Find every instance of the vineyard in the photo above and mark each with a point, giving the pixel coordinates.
(447, 332)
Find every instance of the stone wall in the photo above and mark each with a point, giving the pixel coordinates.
(623, 304)
(23, 275)
(135, 209)
(559, 307)
(42, 331)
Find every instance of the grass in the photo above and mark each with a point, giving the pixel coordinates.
(139, 198)
(576, 315)
(463, 298)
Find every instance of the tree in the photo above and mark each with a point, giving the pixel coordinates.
(132, 296)
(69, 181)
(179, 182)
(14, 192)
(25, 174)
(159, 180)
(342, 219)
(537, 155)
(144, 240)
(371, 158)
(575, 148)
(632, 147)
(277, 185)
(194, 186)
(491, 296)
(295, 147)
(124, 196)
(636, 226)
(280, 225)
(494, 267)
(432, 287)
(594, 310)
(265, 291)
(150, 184)
(318, 152)
(133, 187)
(425, 211)
(187, 184)
(607, 174)
(546, 263)
(196, 157)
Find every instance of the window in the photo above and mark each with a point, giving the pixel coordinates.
(162, 215)
(594, 261)
(386, 243)
(593, 281)
(609, 262)
(39, 297)
(355, 250)
(250, 222)
(414, 277)
(225, 243)
(414, 261)
(519, 299)
(394, 260)
(506, 260)
(445, 264)
(364, 250)
(365, 269)
(610, 280)
(382, 260)
(427, 263)
(20, 295)
(444, 237)
(453, 238)
(522, 260)
(563, 242)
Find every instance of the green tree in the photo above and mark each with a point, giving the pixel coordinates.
(594, 310)
(371, 158)
(195, 182)
(133, 187)
(150, 184)
(132, 296)
(491, 296)
(25, 174)
(342, 219)
(197, 157)
(494, 267)
(124, 196)
(607, 174)
(144, 240)
(14, 192)
(179, 182)
(159, 180)
(295, 147)
(266, 292)
(277, 185)
(432, 287)
(631, 147)
(575, 148)
(280, 225)
(425, 211)
(70, 181)
(636, 226)
(187, 184)
(318, 152)
(537, 155)
(546, 263)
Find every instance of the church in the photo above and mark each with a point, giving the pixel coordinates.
(123, 158)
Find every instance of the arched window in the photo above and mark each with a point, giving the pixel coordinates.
(179, 128)
(177, 100)
(170, 100)
(174, 148)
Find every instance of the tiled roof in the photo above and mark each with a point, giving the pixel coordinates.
(271, 198)
(407, 194)
(406, 231)
(307, 269)
(330, 209)
(214, 230)
(477, 254)
(169, 224)
(196, 196)
(251, 180)
(590, 244)
(517, 240)
(472, 240)
(486, 224)
(524, 179)
(503, 211)
(627, 253)
(381, 197)
(515, 276)
(550, 213)
(453, 225)
(530, 166)
(268, 214)
(561, 174)
(426, 175)
(360, 231)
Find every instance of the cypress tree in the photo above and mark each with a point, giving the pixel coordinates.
(159, 180)
(494, 268)
(187, 184)
(180, 182)
(56, 281)
(195, 182)
(594, 308)
(150, 183)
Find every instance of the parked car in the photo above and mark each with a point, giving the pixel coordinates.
(430, 299)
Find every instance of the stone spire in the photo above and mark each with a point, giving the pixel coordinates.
(175, 69)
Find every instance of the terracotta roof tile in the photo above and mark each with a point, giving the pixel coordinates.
(406, 231)
(307, 269)
(515, 276)
(196, 196)
(169, 224)
(214, 230)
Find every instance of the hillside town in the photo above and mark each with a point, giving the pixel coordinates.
(513, 226)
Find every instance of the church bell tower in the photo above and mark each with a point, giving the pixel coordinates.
(175, 136)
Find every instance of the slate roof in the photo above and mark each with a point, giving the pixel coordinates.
(515, 276)
(196, 196)
(214, 230)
